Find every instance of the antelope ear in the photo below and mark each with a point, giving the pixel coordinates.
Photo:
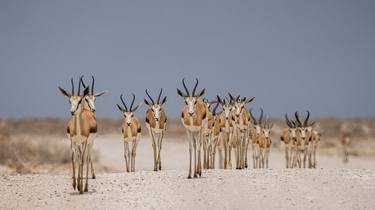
(100, 93)
(146, 102)
(164, 100)
(250, 100)
(86, 91)
(64, 92)
(120, 108)
(202, 92)
(135, 108)
(179, 92)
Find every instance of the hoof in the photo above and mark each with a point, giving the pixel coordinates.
(93, 177)
(195, 176)
(86, 190)
(189, 177)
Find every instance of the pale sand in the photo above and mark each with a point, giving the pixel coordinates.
(332, 186)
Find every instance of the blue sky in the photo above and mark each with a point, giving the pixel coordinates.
(291, 55)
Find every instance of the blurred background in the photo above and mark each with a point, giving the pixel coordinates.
(291, 55)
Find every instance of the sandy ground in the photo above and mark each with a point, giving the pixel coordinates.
(332, 186)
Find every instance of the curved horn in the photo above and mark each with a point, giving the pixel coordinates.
(79, 84)
(131, 105)
(161, 91)
(252, 117)
(307, 119)
(83, 83)
(152, 100)
(231, 97)
(195, 87)
(92, 84)
(72, 82)
(123, 102)
(183, 83)
(297, 118)
(215, 108)
(261, 116)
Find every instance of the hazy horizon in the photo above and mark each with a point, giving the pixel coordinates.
(292, 55)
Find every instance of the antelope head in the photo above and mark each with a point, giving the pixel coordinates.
(91, 97)
(190, 99)
(292, 127)
(157, 107)
(257, 123)
(128, 113)
(227, 107)
(267, 129)
(214, 110)
(239, 104)
(74, 100)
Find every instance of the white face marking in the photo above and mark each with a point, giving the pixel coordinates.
(91, 102)
(238, 108)
(303, 132)
(293, 132)
(227, 110)
(191, 104)
(74, 102)
(156, 112)
(128, 117)
(266, 133)
(257, 128)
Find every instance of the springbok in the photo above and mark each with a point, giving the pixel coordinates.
(288, 136)
(156, 121)
(214, 136)
(89, 104)
(315, 139)
(207, 130)
(80, 128)
(265, 142)
(226, 129)
(241, 119)
(131, 132)
(193, 117)
(345, 143)
(303, 141)
(255, 132)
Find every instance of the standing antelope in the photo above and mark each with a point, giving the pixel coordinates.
(226, 129)
(265, 142)
(288, 136)
(214, 137)
(255, 132)
(89, 104)
(193, 118)
(315, 139)
(241, 119)
(156, 121)
(80, 128)
(345, 143)
(207, 129)
(131, 132)
(302, 143)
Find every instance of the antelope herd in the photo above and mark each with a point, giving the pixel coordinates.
(223, 126)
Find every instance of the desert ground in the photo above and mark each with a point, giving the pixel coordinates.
(46, 184)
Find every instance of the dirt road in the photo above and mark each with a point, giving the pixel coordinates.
(332, 186)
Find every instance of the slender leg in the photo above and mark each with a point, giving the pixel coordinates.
(154, 148)
(87, 159)
(190, 152)
(91, 162)
(225, 142)
(199, 140)
(195, 155)
(204, 152)
(160, 146)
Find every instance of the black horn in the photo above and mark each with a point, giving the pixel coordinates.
(152, 100)
(72, 82)
(195, 87)
(297, 118)
(131, 105)
(186, 89)
(92, 84)
(123, 102)
(79, 84)
(307, 119)
(161, 91)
